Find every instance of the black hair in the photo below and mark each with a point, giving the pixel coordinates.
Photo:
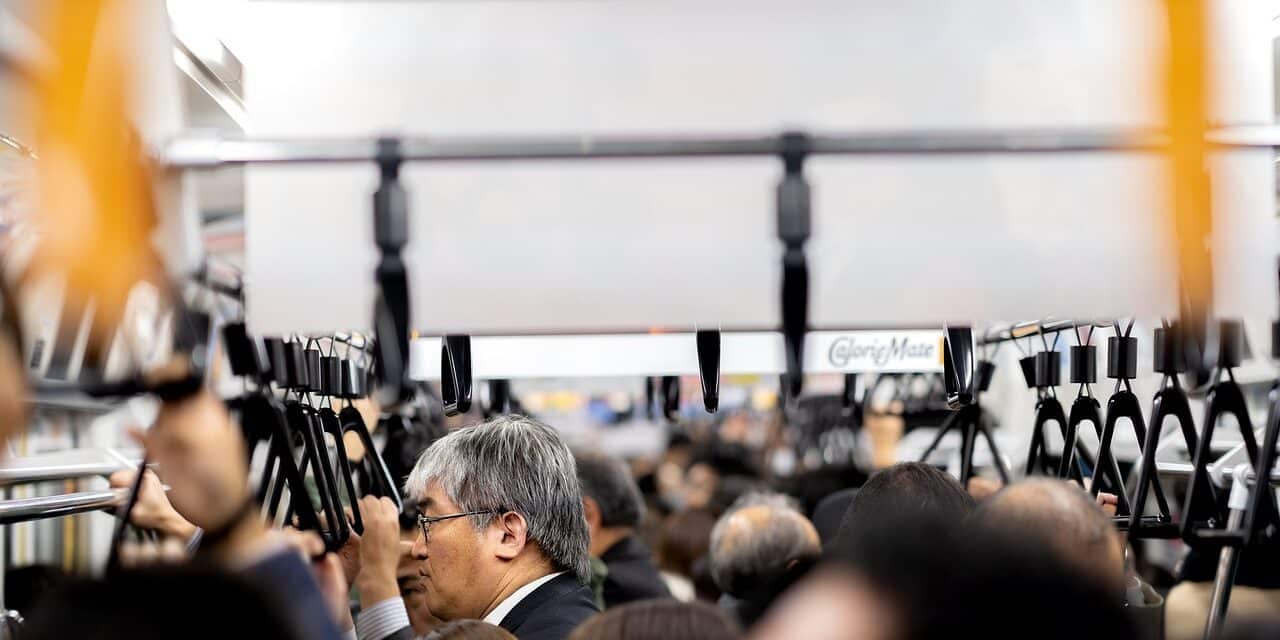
(943, 580)
(909, 487)
(726, 459)
(608, 482)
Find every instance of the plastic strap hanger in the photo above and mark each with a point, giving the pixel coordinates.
(1261, 499)
(1169, 400)
(963, 388)
(1224, 397)
(708, 345)
(385, 485)
(326, 465)
(1048, 409)
(455, 374)
(499, 398)
(304, 422)
(1085, 408)
(354, 385)
(330, 385)
(266, 410)
(1122, 365)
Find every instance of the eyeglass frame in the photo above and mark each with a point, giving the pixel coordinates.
(425, 521)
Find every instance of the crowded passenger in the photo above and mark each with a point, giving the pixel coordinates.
(659, 620)
(759, 548)
(614, 508)
(502, 520)
(503, 536)
(682, 555)
(913, 574)
(1062, 517)
(906, 489)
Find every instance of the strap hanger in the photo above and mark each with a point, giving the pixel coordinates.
(1169, 401)
(708, 344)
(1122, 365)
(354, 384)
(1085, 408)
(330, 385)
(499, 398)
(1040, 374)
(963, 387)
(455, 374)
(304, 422)
(1224, 397)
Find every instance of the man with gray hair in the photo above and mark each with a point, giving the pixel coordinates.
(614, 507)
(503, 537)
(759, 548)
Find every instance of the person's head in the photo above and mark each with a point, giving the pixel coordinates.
(413, 587)
(660, 619)
(610, 499)
(470, 630)
(757, 542)
(907, 488)
(730, 488)
(686, 536)
(829, 512)
(712, 464)
(517, 480)
(917, 576)
(1063, 516)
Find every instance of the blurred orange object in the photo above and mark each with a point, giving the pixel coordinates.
(1186, 84)
(95, 210)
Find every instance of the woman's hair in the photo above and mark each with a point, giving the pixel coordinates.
(661, 619)
(469, 630)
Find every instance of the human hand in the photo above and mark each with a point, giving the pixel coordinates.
(143, 554)
(152, 509)
(983, 488)
(349, 554)
(379, 550)
(333, 584)
(202, 453)
(1108, 501)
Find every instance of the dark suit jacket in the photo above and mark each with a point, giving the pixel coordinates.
(552, 611)
(283, 575)
(632, 575)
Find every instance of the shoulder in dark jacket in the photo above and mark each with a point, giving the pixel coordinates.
(632, 575)
(552, 611)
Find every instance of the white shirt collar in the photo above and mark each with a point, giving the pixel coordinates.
(500, 612)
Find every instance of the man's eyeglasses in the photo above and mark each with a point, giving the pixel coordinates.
(426, 521)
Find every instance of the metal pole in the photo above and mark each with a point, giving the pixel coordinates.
(26, 509)
(210, 152)
(195, 153)
(1229, 557)
(1185, 469)
(1038, 327)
